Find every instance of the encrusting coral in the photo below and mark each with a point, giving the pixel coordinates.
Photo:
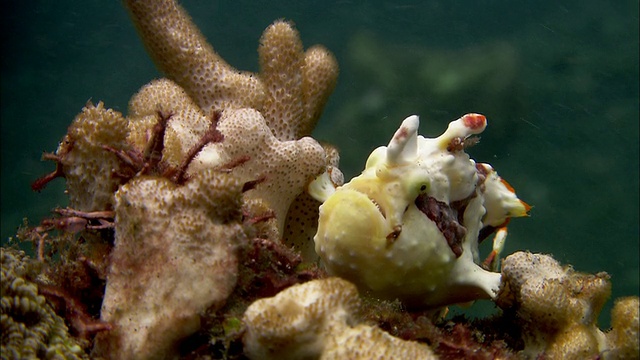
(557, 310)
(29, 326)
(316, 320)
(164, 235)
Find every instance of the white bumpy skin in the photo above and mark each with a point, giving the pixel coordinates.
(408, 227)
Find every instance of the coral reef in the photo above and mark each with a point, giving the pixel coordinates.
(409, 226)
(193, 174)
(191, 221)
(29, 326)
(317, 320)
(557, 308)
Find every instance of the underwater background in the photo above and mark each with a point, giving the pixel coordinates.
(557, 80)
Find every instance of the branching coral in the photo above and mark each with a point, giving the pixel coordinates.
(286, 165)
(287, 98)
(187, 125)
(297, 83)
(30, 328)
(182, 52)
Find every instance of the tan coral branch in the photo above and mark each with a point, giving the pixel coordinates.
(298, 83)
(183, 53)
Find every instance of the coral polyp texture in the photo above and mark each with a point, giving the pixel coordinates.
(287, 97)
(182, 52)
(624, 337)
(290, 91)
(30, 328)
(316, 320)
(164, 235)
(409, 226)
(557, 310)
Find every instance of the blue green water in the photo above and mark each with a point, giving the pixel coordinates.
(558, 82)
